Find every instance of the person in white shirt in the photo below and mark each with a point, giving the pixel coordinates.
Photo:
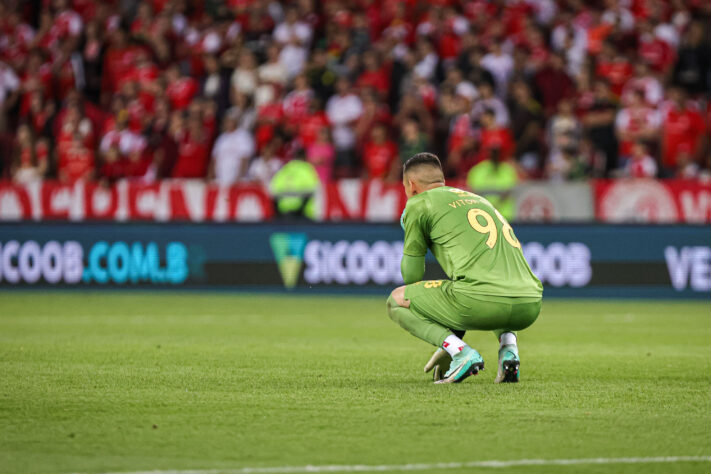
(343, 110)
(293, 29)
(572, 41)
(619, 15)
(644, 81)
(293, 57)
(488, 101)
(232, 152)
(265, 166)
(9, 85)
(500, 65)
(244, 79)
(273, 71)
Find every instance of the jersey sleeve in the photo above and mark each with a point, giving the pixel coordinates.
(415, 233)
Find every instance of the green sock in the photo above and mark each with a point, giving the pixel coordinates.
(417, 325)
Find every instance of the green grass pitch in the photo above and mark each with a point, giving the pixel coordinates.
(125, 381)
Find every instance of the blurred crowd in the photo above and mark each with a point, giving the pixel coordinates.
(231, 90)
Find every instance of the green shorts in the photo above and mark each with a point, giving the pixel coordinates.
(449, 304)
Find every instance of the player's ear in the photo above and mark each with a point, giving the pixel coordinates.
(413, 186)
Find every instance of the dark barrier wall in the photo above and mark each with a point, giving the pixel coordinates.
(571, 260)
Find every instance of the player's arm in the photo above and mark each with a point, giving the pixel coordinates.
(412, 268)
(412, 265)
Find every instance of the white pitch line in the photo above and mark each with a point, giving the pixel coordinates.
(434, 466)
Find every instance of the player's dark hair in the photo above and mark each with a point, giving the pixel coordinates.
(420, 159)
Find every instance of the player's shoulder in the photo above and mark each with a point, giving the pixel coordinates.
(449, 192)
(416, 203)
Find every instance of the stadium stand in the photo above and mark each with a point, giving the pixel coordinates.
(228, 91)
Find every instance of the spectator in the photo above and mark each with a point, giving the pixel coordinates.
(321, 155)
(570, 39)
(293, 188)
(193, 152)
(554, 84)
(232, 152)
(412, 142)
(31, 158)
(488, 101)
(412, 108)
(493, 136)
(526, 127)
(121, 136)
(374, 112)
(112, 167)
(495, 179)
(693, 67)
(636, 123)
(686, 167)
(641, 164)
(566, 164)
(214, 85)
(293, 57)
(296, 104)
(9, 85)
(273, 71)
(644, 81)
(379, 153)
(614, 67)
(500, 65)
(75, 161)
(245, 77)
(564, 129)
(374, 75)
(683, 131)
(470, 63)
(181, 89)
(654, 50)
(343, 110)
(598, 120)
(266, 165)
(292, 29)
(461, 131)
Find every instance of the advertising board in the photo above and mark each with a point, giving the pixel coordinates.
(571, 260)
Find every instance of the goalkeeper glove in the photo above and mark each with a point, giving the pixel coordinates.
(439, 364)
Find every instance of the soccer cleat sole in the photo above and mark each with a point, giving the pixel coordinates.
(473, 370)
(511, 368)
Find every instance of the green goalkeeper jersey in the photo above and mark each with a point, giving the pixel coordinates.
(471, 240)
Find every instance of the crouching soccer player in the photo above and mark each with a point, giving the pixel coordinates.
(490, 286)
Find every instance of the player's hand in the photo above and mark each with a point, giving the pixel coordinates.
(439, 363)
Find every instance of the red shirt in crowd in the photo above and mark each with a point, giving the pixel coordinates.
(657, 53)
(118, 62)
(682, 130)
(497, 137)
(112, 170)
(374, 79)
(75, 162)
(296, 105)
(378, 158)
(181, 92)
(617, 72)
(192, 159)
(555, 85)
(136, 166)
(461, 130)
(309, 127)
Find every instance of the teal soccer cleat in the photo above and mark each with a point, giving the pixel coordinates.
(508, 365)
(467, 362)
